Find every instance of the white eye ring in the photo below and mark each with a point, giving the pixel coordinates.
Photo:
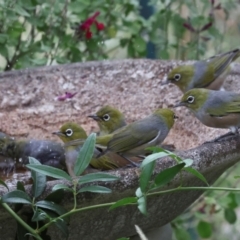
(69, 132)
(190, 99)
(177, 77)
(106, 117)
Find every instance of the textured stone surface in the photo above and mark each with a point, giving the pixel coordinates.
(29, 109)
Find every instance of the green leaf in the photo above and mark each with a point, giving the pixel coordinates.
(39, 215)
(56, 196)
(188, 162)
(142, 205)
(139, 44)
(153, 157)
(168, 174)
(61, 225)
(85, 154)
(61, 186)
(181, 234)
(230, 215)
(204, 229)
(16, 196)
(51, 206)
(196, 174)
(4, 184)
(94, 177)
(95, 189)
(123, 202)
(39, 180)
(139, 192)
(233, 201)
(20, 186)
(49, 171)
(21, 11)
(145, 176)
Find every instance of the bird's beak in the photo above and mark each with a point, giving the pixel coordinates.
(166, 81)
(180, 104)
(95, 117)
(58, 133)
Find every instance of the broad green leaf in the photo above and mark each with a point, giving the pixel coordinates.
(51, 206)
(61, 225)
(55, 196)
(142, 205)
(188, 162)
(85, 154)
(20, 186)
(168, 174)
(153, 157)
(139, 44)
(21, 11)
(196, 174)
(139, 192)
(94, 177)
(181, 234)
(204, 229)
(4, 184)
(16, 196)
(230, 215)
(233, 200)
(95, 189)
(123, 202)
(39, 180)
(145, 176)
(49, 171)
(39, 215)
(61, 186)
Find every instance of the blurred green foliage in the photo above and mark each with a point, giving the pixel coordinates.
(38, 33)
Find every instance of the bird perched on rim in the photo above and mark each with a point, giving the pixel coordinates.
(108, 119)
(19, 150)
(209, 73)
(217, 109)
(133, 139)
(73, 135)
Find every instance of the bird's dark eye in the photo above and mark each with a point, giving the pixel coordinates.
(69, 132)
(106, 117)
(190, 99)
(177, 77)
(175, 116)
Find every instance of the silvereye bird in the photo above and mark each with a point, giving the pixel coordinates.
(73, 135)
(47, 152)
(133, 139)
(217, 109)
(209, 73)
(109, 119)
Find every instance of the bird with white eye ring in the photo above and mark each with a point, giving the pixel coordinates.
(69, 132)
(217, 109)
(109, 119)
(210, 73)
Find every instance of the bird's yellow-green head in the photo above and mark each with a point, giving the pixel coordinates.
(167, 115)
(194, 99)
(109, 119)
(71, 131)
(181, 76)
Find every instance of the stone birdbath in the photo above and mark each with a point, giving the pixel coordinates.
(30, 109)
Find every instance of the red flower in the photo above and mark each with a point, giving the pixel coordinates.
(100, 26)
(84, 27)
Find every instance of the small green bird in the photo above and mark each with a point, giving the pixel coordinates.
(209, 73)
(73, 135)
(109, 119)
(217, 109)
(47, 152)
(133, 139)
